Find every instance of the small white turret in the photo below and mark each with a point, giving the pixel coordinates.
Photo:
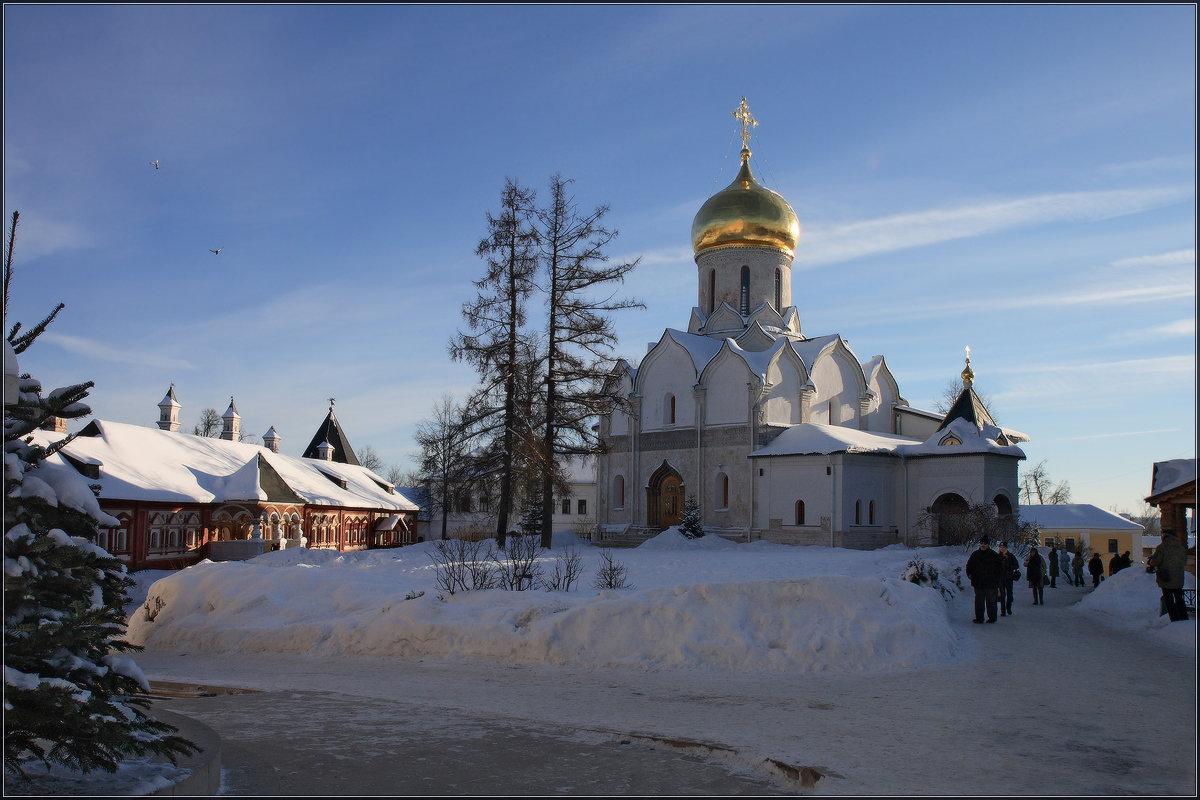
(168, 411)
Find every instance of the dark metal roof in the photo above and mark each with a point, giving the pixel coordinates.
(968, 406)
(330, 431)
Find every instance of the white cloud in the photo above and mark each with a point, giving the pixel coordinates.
(105, 352)
(1180, 327)
(901, 231)
(1172, 259)
(39, 236)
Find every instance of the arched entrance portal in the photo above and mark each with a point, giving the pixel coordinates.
(664, 497)
(950, 516)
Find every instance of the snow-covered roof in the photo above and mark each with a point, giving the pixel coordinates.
(1172, 474)
(811, 438)
(814, 438)
(147, 464)
(580, 469)
(1076, 515)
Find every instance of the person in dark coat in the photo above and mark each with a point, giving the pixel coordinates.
(1035, 571)
(1114, 565)
(1009, 572)
(1096, 567)
(983, 570)
(1077, 568)
(1053, 566)
(1168, 563)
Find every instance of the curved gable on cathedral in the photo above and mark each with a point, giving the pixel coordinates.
(837, 376)
(756, 338)
(668, 375)
(886, 391)
(766, 316)
(725, 319)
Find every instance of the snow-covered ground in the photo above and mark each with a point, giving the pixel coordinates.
(739, 624)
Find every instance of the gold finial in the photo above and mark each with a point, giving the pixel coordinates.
(748, 121)
(968, 375)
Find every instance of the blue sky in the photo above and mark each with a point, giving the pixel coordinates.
(1018, 179)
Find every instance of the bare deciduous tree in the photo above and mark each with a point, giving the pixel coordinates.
(210, 423)
(445, 459)
(1038, 488)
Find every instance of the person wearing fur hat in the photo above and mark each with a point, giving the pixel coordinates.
(1077, 567)
(983, 569)
(1035, 571)
(1168, 562)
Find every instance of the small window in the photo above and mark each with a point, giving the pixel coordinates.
(669, 409)
(871, 513)
(722, 490)
(1112, 546)
(778, 289)
(858, 512)
(566, 505)
(799, 512)
(1070, 544)
(619, 491)
(582, 507)
(712, 290)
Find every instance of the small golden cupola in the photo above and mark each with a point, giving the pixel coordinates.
(746, 213)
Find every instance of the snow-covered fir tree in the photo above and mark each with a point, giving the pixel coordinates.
(689, 521)
(70, 697)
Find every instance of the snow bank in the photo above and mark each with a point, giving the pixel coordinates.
(1131, 598)
(704, 603)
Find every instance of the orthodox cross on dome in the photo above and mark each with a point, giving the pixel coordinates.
(748, 121)
(331, 405)
(968, 375)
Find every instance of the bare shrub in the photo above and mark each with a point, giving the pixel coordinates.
(461, 566)
(612, 574)
(567, 566)
(516, 565)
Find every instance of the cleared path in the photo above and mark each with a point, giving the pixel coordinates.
(1047, 702)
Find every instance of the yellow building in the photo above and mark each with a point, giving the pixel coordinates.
(1073, 524)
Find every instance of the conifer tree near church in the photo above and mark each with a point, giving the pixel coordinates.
(70, 697)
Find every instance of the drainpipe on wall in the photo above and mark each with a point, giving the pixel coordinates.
(834, 497)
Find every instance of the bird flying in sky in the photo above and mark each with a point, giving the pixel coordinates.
(217, 251)
(154, 164)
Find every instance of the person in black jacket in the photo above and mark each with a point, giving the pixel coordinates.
(1009, 572)
(1035, 571)
(1096, 567)
(983, 569)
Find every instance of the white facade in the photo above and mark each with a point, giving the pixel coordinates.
(753, 418)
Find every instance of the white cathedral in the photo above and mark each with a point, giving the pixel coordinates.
(776, 434)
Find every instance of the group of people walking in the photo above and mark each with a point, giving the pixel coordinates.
(993, 572)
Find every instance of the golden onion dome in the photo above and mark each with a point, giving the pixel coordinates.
(746, 213)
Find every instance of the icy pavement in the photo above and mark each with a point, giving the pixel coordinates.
(1049, 701)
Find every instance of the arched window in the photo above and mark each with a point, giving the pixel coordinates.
(871, 513)
(722, 488)
(858, 512)
(744, 302)
(778, 289)
(799, 512)
(669, 409)
(835, 411)
(618, 497)
(712, 290)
